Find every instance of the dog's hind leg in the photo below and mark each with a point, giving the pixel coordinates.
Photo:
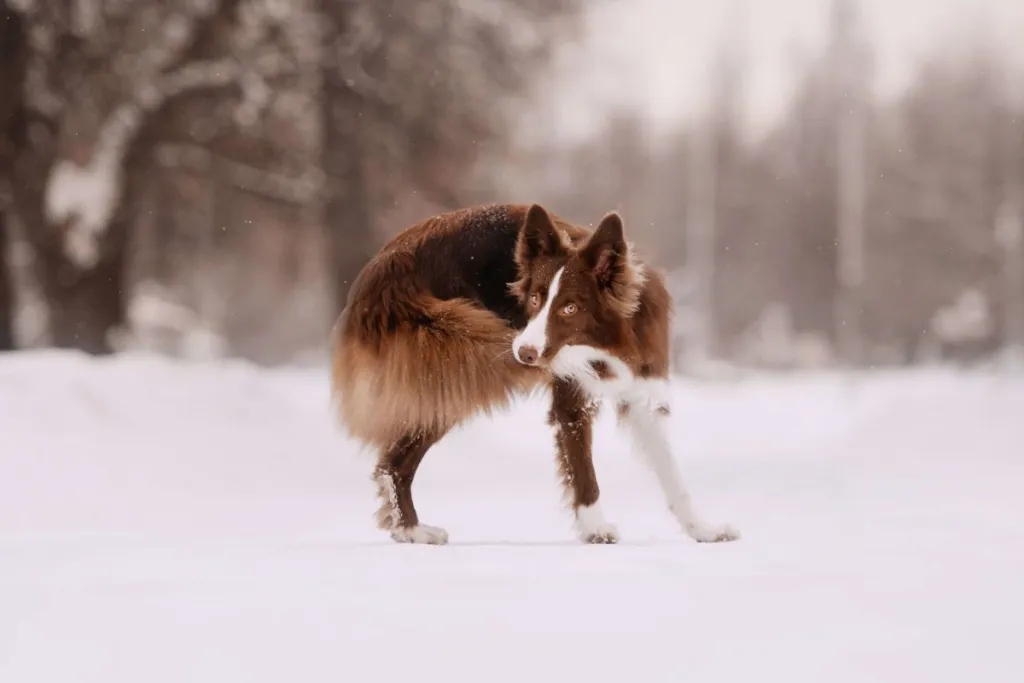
(394, 475)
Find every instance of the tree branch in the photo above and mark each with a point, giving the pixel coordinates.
(84, 198)
(298, 190)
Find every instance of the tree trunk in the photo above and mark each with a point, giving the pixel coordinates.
(6, 290)
(348, 215)
(85, 306)
(348, 212)
(12, 74)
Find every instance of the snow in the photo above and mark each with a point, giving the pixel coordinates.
(206, 521)
(85, 197)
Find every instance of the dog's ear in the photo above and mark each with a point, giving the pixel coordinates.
(606, 253)
(619, 279)
(538, 237)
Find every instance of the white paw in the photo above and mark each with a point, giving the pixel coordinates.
(421, 533)
(605, 535)
(711, 533)
(592, 527)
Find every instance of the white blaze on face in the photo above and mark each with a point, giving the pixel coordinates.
(536, 332)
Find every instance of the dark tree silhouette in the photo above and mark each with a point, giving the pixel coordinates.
(12, 133)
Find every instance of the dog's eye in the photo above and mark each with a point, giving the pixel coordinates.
(568, 309)
(535, 299)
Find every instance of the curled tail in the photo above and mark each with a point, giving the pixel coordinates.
(405, 361)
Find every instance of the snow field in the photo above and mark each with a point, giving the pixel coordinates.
(163, 521)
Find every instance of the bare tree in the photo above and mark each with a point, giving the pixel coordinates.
(100, 79)
(1010, 237)
(12, 69)
(850, 73)
(711, 200)
(6, 290)
(347, 117)
(852, 221)
(934, 196)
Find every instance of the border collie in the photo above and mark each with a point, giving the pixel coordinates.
(460, 313)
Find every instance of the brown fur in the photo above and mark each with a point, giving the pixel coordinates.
(625, 310)
(394, 475)
(425, 340)
(431, 377)
(602, 369)
(572, 415)
(407, 361)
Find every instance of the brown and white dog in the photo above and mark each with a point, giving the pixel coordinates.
(460, 313)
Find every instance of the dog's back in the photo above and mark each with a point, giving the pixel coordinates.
(426, 335)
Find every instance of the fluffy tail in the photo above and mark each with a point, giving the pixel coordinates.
(404, 362)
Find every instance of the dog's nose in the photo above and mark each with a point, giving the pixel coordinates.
(528, 355)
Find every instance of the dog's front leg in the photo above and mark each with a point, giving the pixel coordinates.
(572, 415)
(646, 419)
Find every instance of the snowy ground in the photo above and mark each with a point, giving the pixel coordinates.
(163, 522)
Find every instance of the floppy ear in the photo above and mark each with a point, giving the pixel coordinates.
(606, 252)
(619, 279)
(538, 237)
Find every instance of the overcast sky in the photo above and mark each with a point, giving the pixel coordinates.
(656, 52)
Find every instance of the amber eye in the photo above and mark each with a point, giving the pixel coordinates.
(535, 299)
(569, 309)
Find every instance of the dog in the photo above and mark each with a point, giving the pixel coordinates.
(459, 314)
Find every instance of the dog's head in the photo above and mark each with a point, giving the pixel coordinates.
(575, 295)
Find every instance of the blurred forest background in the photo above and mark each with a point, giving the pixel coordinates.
(204, 178)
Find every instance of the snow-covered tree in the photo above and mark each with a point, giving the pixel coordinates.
(330, 108)
(100, 81)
